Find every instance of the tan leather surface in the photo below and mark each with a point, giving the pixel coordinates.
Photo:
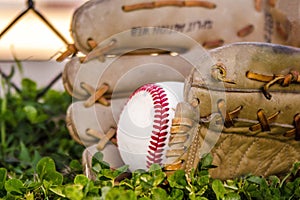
(228, 21)
(238, 59)
(97, 117)
(286, 15)
(123, 74)
(242, 147)
(239, 155)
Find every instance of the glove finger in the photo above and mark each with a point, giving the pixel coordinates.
(87, 125)
(110, 154)
(211, 24)
(121, 74)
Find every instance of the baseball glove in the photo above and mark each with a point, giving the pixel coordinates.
(236, 108)
(103, 79)
(210, 23)
(244, 110)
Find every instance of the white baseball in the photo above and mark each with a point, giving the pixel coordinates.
(144, 125)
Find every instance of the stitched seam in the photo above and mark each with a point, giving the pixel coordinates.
(273, 161)
(160, 123)
(288, 156)
(220, 144)
(245, 155)
(230, 157)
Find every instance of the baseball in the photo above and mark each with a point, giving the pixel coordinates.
(145, 122)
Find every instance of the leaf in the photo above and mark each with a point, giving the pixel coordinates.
(57, 190)
(201, 198)
(91, 189)
(218, 188)
(159, 194)
(289, 188)
(176, 194)
(255, 179)
(178, 180)
(75, 165)
(146, 180)
(41, 118)
(29, 196)
(14, 186)
(232, 196)
(295, 168)
(36, 158)
(74, 192)
(157, 174)
(24, 153)
(120, 194)
(104, 191)
(155, 168)
(3, 175)
(145, 198)
(275, 181)
(122, 169)
(32, 185)
(54, 177)
(203, 180)
(206, 161)
(108, 173)
(31, 113)
(159, 179)
(29, 88)
(44, 166)
(202, 191)
(293, 171)
(97, 157)
(297, 188)
(81, 180)
(47, 185)
(98, 163)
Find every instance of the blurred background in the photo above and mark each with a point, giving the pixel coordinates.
(26, 36)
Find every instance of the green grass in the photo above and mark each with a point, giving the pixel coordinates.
(39, 160)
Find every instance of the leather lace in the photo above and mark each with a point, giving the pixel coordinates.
(263, 121)
(179, 135)
(180, 127)
(283, 80)
(96, 95)
(103, 138)
(164, 3)
(218, 72)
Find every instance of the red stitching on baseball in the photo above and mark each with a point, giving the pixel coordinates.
(160, 126)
